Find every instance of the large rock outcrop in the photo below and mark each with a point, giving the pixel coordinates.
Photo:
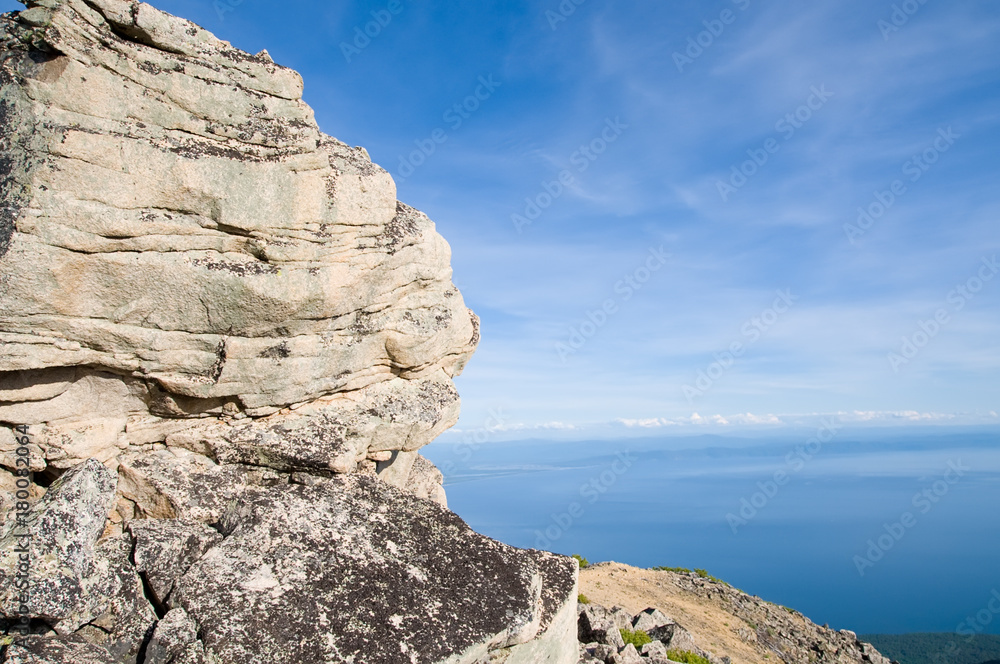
(223, 342)
(179, 240)
(344, 569)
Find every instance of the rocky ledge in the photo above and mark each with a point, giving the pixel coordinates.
(224, 342)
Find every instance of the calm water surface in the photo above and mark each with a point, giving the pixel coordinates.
(803, 543)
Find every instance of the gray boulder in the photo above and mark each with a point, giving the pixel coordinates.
(118, 614)
(656, 658)
(620, 617)
(628, 655)
(354, 568)
(613, 637)
(77, 581)
(650, 618)
(426, 481)
(175, 641)
(166, 549)
(58, 538)
(674, 637)
(597, 624)
(654, 649)
(592, 619)
(599, 651)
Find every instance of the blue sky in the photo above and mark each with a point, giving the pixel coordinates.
(645, 127)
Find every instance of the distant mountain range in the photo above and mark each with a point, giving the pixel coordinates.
(937, 648)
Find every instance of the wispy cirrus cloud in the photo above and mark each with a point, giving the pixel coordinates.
(657, 185)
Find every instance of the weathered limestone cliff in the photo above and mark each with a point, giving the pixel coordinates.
(223, 342)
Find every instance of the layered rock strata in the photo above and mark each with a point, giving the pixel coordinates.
(223, 342)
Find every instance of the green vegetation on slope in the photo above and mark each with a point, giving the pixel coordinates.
(936, 648)
(686, 657)
(684, 570)
(638, 638)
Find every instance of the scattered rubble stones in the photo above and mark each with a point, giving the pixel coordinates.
(788, 636)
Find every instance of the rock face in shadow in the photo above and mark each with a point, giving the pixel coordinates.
(224, 344)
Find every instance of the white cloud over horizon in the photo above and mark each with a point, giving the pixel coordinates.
(732, 424)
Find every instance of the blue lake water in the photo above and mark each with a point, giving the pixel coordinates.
(803, 543)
